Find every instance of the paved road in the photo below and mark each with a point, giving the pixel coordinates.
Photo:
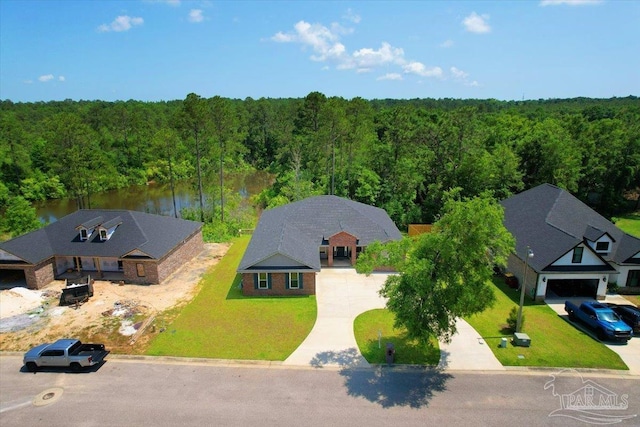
(145, 393)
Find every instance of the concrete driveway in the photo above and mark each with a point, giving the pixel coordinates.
(342, 294)
(629, 353)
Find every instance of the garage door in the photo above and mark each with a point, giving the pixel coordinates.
(12, 278)
(572, 288)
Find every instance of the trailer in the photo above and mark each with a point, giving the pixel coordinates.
(77, 293)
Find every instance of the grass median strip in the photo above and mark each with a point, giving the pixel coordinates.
(554, 341)
(222, 323)
(371, 324)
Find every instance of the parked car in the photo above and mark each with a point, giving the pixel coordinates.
(629, 315)
(65, 353)
(601, 319)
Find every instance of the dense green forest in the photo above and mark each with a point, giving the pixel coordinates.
(401, 155)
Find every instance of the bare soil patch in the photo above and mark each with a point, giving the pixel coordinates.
(124, 317)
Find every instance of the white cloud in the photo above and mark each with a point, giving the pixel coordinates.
(462, 77)
(390, 76)
(195, 15)
(61, 78)
(351, 16)
(367, 57)
(420, 69)
(121, 23)
(458, 74)
(446, 44)
(475, 23)
(568, 2)
(327, 47)
(321, 39)
(45, 78)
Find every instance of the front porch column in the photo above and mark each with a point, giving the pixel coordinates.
(353, 255)
(330, 256)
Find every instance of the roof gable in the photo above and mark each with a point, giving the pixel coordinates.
(552, 221)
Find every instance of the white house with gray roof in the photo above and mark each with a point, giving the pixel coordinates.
(132, 246)
(575, 251)
(293, 242)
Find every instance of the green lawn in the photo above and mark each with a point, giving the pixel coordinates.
(221, 323)
(554, 341)
(629, 223)
(366, 328)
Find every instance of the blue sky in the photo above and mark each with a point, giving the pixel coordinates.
(154, 50)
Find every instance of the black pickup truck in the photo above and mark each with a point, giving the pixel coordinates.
(65, 352)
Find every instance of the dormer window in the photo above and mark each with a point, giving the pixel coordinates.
(602, 247)
(86, 228)
(107, 229)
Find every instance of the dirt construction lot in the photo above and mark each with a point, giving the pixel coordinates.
(122, 316)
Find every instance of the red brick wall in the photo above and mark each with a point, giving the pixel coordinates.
(278, 285)
(342, 239)
(157, 271)
(180, 256)
(40, 275)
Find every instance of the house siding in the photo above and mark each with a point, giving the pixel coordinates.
(516, 266)
(279, 285)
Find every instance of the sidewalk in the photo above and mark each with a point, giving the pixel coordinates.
(467, 351)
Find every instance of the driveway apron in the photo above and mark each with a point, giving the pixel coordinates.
(341, 295)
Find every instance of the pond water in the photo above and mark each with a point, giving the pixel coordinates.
(153, 198)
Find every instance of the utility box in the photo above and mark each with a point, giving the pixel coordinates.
(521, 339)
(390, 353)
(503, 343)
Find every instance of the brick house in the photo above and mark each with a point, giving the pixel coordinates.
(571, 250)
(293, 242)
(132, 246)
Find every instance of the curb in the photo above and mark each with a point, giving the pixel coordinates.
(276, 364)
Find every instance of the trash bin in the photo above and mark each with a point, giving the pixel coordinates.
(391, 352)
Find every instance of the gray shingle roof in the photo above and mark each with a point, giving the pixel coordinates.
(552, 221)
(154, 235)
(298, 229)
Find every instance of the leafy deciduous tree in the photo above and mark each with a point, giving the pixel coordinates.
(444, 274)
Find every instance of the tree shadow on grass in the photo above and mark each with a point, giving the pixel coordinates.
(387, 386)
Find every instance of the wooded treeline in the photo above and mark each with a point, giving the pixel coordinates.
(401, 155)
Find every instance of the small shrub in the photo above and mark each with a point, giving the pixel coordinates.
(612, 287)
(512, 320)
